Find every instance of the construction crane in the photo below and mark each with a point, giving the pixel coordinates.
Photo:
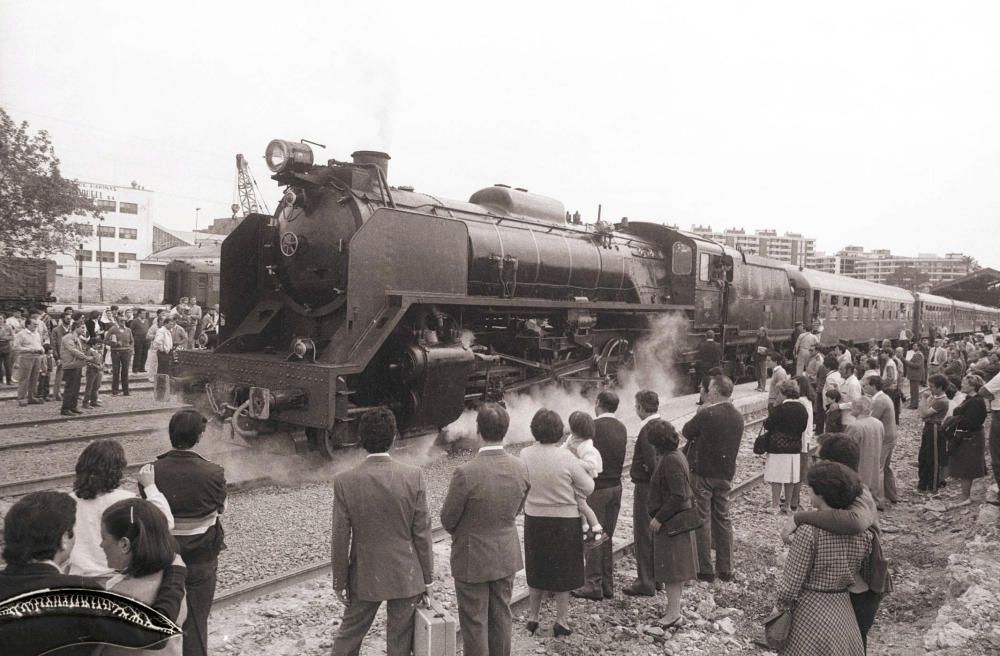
(247, 192)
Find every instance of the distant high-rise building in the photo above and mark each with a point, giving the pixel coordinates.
(790, 247)
(879, 264)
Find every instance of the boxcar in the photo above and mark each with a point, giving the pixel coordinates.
(26, 282)
(192, 277)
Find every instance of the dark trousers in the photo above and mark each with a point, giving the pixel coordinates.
(7, 367)
(358, 618)
(93, 384)
(484, 616)
(200, 584)
(896, 397)
(865, 606)
(71, 392)
(761, 371)
(43, 386)
(119, 369)
(914, 393)
(599, 569)
(141, 350)
(162, 363)
(711, 496)
(931, 457)
(995, 446)
(645, 583)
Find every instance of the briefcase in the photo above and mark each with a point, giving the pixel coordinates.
(434, 630)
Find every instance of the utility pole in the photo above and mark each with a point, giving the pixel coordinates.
(100, 260)
(79, 273)
(197, 211)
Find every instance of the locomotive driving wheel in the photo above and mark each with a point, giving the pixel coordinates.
(616, 355)
(329, 442)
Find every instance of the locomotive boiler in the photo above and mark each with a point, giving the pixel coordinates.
(357, 293)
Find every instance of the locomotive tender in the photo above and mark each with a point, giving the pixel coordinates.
(357, 294)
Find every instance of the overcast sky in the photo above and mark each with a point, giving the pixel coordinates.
(868, 123)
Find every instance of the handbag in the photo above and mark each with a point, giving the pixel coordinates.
(778, 628)
(760, 444)
(682, 522)
(879, 576)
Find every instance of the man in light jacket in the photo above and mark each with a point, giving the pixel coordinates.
(483, 501)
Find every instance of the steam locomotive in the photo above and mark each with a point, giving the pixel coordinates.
(357, 294)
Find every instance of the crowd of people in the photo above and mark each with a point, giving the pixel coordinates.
(158, 544)
(161, 545)
(848, 399)
(66, 356)
(568, 484)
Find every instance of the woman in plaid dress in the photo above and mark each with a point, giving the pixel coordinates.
(819, 570)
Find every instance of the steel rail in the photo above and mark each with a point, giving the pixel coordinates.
(65, 480)
(78, 438)
(105, 389)
(60, 419)
(309, 572)
(278, 582)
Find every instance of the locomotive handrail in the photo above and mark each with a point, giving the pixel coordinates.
(414, 297)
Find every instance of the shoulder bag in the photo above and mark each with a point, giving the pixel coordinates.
(760, 444)
(879, 576)
(778, 628)
(682, 522)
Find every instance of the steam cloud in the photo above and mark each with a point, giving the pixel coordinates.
(655, 357)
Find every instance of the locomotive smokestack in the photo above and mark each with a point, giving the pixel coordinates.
(378, 158)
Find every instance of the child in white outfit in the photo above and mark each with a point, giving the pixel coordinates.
(581, 443)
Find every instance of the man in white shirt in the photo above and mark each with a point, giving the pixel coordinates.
(28, 351)
(805, 346)
(991, 392)
(937, 358)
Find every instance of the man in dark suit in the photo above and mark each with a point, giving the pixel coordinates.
(610, 439)
(709, 356)
(483, 500)
(644, 459)
(382, 546)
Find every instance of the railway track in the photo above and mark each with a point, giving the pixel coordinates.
(60, 419)
(136, 386)
(309, 572)
(65, 480)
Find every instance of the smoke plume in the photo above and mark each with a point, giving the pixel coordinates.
(654, 368)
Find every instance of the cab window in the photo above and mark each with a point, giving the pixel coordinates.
(703, 267)
(681, 260)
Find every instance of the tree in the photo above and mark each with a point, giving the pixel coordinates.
(907, 277)
(36, 202)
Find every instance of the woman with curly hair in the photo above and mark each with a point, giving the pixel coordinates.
(100, 471)
(820, 570)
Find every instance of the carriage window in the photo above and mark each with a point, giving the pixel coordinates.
(703, 268)
(681, 261)
(864, 303)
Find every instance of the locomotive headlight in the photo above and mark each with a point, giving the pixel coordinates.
(281, 155)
